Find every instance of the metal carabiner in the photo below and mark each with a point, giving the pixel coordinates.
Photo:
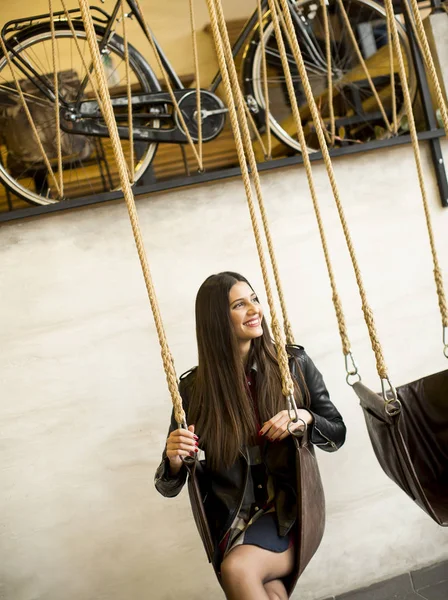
(292, 409)
(294, 417)
(351, 368)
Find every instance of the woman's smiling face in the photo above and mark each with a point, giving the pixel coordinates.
(245, 312)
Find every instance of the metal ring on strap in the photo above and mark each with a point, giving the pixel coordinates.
(392, 404)
(445, 341)
(356, 378)
(297, 432)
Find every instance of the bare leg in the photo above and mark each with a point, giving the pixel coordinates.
(246, 570)
(276, 590)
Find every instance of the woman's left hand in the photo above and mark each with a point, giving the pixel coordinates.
(276, 429)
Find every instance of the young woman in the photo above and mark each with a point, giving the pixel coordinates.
(234, 404)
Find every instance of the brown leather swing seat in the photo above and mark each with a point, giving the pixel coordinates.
(410, 439)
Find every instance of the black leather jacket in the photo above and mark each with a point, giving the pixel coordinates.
(223, 491)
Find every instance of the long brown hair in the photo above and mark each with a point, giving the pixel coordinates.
(220, 405)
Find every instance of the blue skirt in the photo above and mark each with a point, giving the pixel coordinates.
(264, 534)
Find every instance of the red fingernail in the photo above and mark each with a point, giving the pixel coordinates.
(196, 444)
(260, 432)
(195, 437)
(192, 453)
(196, 450)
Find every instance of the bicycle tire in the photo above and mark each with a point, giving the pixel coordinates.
(253, 82)
(29, 38)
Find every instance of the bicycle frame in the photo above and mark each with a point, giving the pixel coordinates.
(87, 119)
(243, 36)
(108, 22)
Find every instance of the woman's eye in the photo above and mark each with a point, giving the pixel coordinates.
(256, 300)
(238, 305)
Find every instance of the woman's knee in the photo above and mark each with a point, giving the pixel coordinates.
(248, 565)
(235, 567)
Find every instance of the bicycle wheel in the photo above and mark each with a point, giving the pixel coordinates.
(357, 115)
(88, 164)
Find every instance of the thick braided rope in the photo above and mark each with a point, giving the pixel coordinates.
(247, 144)
(108, 115)
(309, 173)
(392, 71)
(81, 55)
(415, 145)
(287, 384)
(362, 62)
(417, 24)
(247, 141)
(29, 116)
(197, 75)
(56, 101)
(264, 70)
(368, 316)
(169, 87)
(129, 94)
(329, 72)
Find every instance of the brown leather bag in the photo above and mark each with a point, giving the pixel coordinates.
(412, 444)
(310, 504)
(197, 507)
(310, 523)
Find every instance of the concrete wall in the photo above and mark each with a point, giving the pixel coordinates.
(84, 407)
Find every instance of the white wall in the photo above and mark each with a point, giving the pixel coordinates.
(84, 407)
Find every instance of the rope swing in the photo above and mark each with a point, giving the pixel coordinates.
(396, 441)
(306, 463)
(400, 446)
(407, 425)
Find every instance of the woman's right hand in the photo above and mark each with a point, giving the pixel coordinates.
(181, 443)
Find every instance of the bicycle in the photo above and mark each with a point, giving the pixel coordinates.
(87, 164)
